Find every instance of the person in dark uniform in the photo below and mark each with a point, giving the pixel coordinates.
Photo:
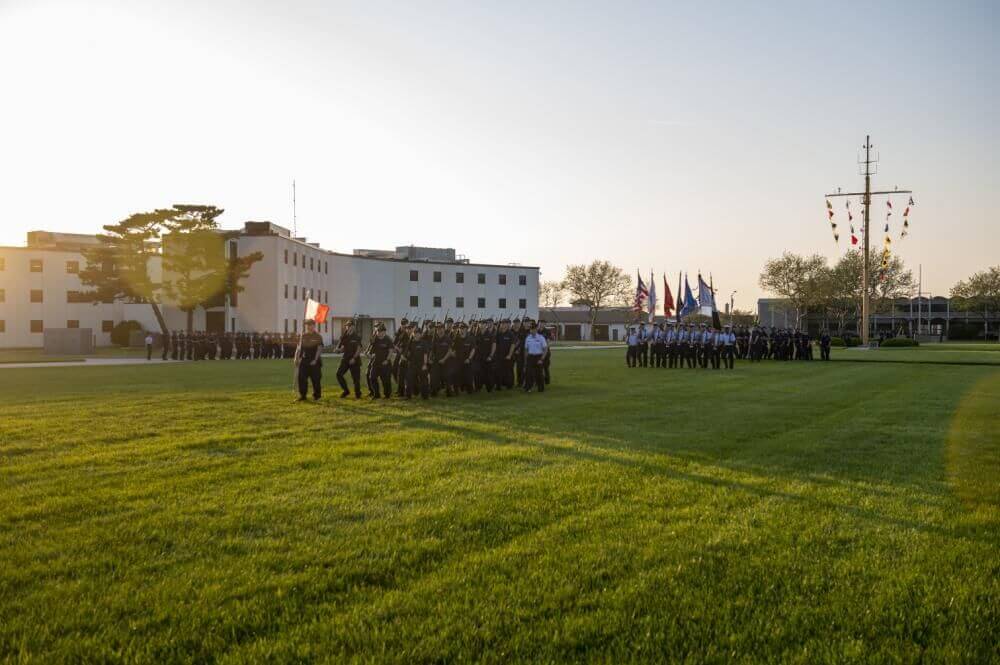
(824, 345)
(729, 345)
(484, 349)
(397, 356)
(402, 350)
(165, 340)
(418, 357)
(350, 346)
(309, 361)
(380, 365)
(441, 353)
(464, 363)
(547, 360)
(502, 356)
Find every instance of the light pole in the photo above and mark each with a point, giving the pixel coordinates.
(732, 300)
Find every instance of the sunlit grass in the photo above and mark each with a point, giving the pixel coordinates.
(782, 511)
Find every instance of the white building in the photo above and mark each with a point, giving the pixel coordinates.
(373, 285)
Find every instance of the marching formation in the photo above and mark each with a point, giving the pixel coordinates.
(430, 359)
(700, 345)
(200, 345)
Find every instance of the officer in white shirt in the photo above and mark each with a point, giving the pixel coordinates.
(728, 339)
(632, 353)
(535, 348)
(149, 346)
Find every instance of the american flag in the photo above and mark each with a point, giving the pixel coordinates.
(641, 293)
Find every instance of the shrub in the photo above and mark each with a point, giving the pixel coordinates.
(852, 341)
(837, 341)
(899, 341)
(963, 331)
(121, 332)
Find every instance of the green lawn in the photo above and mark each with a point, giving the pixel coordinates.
(37, 355)
(802, 512)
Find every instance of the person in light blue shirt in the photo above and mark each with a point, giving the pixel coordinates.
(632, 353)
(535, 347)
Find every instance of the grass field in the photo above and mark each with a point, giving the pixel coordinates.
(819, 512)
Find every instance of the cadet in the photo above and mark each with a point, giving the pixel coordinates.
(380, 365)
(643, 345)
(728, 347)
(309, 361)
(502, 356)
(441, 353)
(398, 356)
(350, 345)
(535, 347)
(824, 345)
(484, 349)
(418, 356)
(632, 352)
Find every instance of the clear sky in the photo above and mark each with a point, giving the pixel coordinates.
(664, 136)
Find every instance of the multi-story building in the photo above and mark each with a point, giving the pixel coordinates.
(369, 285)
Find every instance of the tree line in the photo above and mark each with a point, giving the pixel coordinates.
(190, 244)
(809, 284)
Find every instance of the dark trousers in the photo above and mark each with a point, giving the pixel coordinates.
(485, 376)
(380, 376)
(632, 356)
(644, 353)
(824, 352)
(692, 354)
(166, 350)
(402, 378)
(416, 381)
(355, 370)
(534, 373)
(672, 355)
(546, 365)
(439, 378)
(519, 369)
(503, 373)
(149, 352)
(715, 355)
(309, 373)
(728, 356)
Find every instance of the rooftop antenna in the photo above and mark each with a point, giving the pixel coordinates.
(295, 225)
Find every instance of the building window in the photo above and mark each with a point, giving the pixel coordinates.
(72, 267)
(459, 302)
(502, 303)
(311, 263)
(3, 295)
(437, 276)
(295, 325)
(36, 295)
(481, 278)
(3, 326)
(232, 324)
(502, 279)
(35, 265)
(107, 326)
(36, 326)
(414, 275)
(481, 303)
(414, 301)
(76, 297)
(295, 259)
(73, 323)
(326, 268)
(522, 280)
(286, 293)
(295, 292)
(286, 326)
(437, 301)
(460, 278)
(522, 303)
(286, 257)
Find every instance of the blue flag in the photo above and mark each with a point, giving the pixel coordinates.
(690, 304)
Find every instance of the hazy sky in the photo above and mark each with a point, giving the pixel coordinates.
(671, 136)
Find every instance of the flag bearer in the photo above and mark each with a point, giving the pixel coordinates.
(309, 361)
(643, 345)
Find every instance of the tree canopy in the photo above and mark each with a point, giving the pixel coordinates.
(598, 285)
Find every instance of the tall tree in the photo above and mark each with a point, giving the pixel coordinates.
(550, 293)
(980, 294)
(195, 269)
(117, 268)
(597, 285)
(798, 279)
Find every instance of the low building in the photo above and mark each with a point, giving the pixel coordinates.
(40, 287)
(573, 323)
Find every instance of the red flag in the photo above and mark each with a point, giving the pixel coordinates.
(668, 298)
(854, 239)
